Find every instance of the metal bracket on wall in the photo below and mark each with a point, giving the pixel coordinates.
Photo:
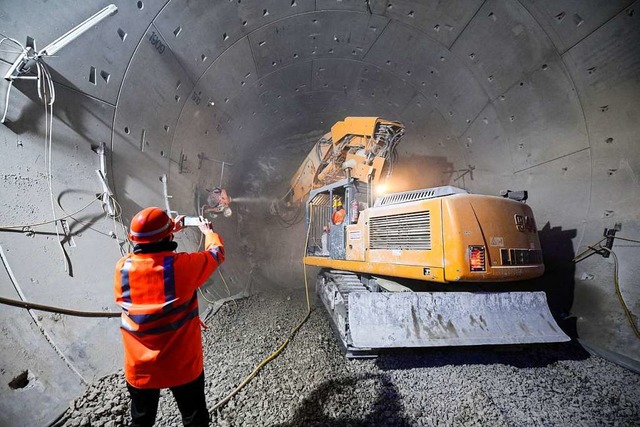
(107, 194)
(201, 157)
(29, 59)
(181, 164)
(610, 234)
(165, 192)
(460, 174)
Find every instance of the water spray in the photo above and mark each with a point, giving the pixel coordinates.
(252, 200)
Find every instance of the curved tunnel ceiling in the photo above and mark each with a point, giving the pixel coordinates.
(535, 95)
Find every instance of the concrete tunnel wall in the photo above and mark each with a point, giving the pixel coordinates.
(535, 95)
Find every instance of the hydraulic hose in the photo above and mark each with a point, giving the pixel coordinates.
(60, 310)
(596, 249)
(616, 283)
(285, 343)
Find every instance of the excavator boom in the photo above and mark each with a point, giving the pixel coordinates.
(363, 144)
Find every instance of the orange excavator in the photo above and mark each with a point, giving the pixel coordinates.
(420, 268)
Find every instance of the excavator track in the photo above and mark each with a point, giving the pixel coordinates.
(365, 321)
(333, 287)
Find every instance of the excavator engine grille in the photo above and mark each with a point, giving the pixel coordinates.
(410, 231)
(417, 195)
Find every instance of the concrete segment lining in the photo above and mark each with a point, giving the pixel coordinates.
(511, 94)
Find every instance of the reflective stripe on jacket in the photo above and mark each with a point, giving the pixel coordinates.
(160, 326)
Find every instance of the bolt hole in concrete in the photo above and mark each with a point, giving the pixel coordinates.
(140, 5)
(20, 381)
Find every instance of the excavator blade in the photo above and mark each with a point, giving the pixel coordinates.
(435, 319)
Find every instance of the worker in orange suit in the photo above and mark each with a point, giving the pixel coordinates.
(339, 213)
(157, 291)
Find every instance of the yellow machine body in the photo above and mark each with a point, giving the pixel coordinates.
(457, 247)
(451, 226)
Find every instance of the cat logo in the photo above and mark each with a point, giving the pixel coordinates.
(524, 222)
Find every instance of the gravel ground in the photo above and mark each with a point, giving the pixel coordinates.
(312, 384)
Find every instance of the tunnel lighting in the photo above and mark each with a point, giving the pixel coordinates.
(78, 30)
(381, 189)
(29, 54)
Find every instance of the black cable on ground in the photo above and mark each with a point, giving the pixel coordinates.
(60, 310)
(282, 346)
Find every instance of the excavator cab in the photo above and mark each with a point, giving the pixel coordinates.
(327, 236)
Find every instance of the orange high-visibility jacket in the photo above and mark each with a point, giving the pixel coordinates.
(160, 323)
(337, 217)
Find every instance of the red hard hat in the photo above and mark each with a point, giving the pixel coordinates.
(150, 225)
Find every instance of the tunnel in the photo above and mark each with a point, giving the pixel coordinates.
(164, 100)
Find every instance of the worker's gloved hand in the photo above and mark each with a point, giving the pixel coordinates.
(206, 227)
(178, 223)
